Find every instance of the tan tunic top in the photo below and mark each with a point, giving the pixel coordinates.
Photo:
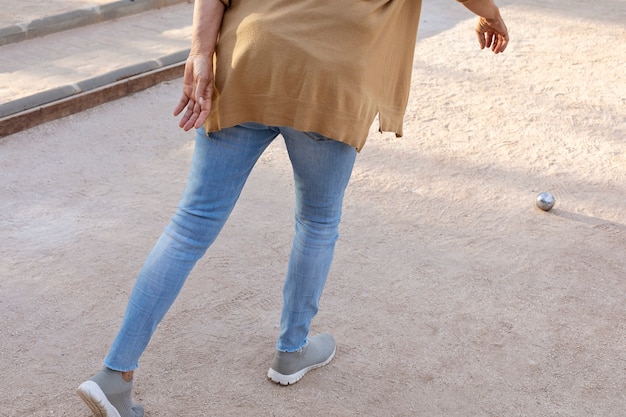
(327, 66)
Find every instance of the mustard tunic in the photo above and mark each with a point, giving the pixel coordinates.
(326, 66)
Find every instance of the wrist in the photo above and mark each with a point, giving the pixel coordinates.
(484, 8)
(207, 20)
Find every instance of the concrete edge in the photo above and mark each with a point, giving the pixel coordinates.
(65, 91)
(80, 17)
(78, 102)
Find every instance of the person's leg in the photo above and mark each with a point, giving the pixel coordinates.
(220, 166)
(322, 169)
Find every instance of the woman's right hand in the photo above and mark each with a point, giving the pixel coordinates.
(198, 79)
(198, 82)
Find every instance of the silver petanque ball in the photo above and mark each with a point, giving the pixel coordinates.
(545, 201)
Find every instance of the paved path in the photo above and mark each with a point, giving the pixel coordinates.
(22, 11)
(42, 13)
(75, 65)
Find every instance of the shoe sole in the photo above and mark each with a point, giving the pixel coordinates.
(96, 400)
(281, 379)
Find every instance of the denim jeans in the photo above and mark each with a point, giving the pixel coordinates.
(220, 166)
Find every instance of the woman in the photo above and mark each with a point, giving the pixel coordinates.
(316, 72)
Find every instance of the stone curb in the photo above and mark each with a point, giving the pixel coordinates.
(89, 99)
(65, 91)
(79, 17)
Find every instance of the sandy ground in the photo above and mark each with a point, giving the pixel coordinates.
(451, 293)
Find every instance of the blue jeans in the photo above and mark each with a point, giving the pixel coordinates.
(220, 166)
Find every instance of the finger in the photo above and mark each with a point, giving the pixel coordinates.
(505, 43)
(502, 44)
(187, 115)
(489, 35)
(499, 45)
(481, 39)
(181, 104)
(205, 107)
(201, 119)
(184, 119)
(494, 41)
(193, 118)
(191, 122)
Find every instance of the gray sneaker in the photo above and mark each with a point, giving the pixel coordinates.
(108, 395)
(289, 367)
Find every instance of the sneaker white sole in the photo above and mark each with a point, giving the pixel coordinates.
(295, 377)
(95, 399)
